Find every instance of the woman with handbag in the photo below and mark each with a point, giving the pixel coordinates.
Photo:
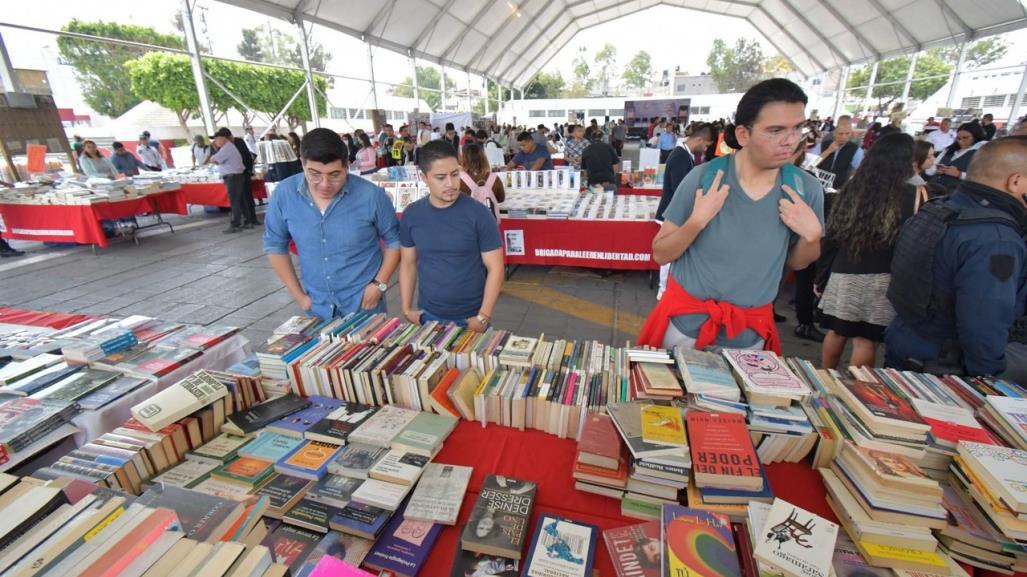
(861, 233)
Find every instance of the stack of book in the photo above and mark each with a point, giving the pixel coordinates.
(1006, 416)
(990, 507)
(765, 378)
(97, 346)
(794, 542)
(888, 506)
(600, 466)
(27, 425)
(781, 433)
(707, 374)
(278, 352)
(727, 473)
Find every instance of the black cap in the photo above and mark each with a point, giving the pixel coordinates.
(223, 131)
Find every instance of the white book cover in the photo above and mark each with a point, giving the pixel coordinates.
(439, 494)
(763, 372)
(179, 400)
(757, 518)
(383, 426)
(1013, 410)
(187, 473)
(398, 466)
(796, 542)
(707, 373)
(380, 494)
(1003, 469)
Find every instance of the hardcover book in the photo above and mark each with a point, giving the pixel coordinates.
(399, 466)
(404, 546)
(722, 451)
(425, 434)
(635, 549)
(470, 563)
(561, 548)
(383, 426)
(498, 523)
(337, 425)
(269, 446)
(356, 460)
(439, 494)
(663, 425)
(297, 422)
(697, 543)
(599, 444)
(179, 400)
(797, 542)
(262, 415)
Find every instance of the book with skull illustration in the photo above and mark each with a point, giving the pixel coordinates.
(796, 542)
(765, 378)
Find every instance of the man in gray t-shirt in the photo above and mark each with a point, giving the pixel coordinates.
(730, 235)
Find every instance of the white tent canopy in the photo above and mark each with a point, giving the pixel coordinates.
(509, 41)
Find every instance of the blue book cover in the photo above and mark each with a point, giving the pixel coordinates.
(360, 519)
(297, 423)
(248, 367)
(561, 547)
(404, 546)
(718, 495)
(270, 446)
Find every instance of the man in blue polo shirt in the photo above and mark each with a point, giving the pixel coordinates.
(339, 223)
(451, 250)
(531, 156)
(668, 140)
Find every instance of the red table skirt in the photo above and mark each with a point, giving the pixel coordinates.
(617, 245)
(53, 320)
(215, 193)
(632, 191)
(559, 162)
(81, 223)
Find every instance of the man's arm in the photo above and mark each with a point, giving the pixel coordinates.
(407, 282)
(673, 240)
(282, 265)
(537, 165)
(986, 303)
(493, 261)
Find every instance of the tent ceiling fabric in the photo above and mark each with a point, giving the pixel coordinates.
(509, 41)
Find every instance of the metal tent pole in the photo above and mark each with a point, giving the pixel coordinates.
(957, 73)
(1021, 93)
(305, 54)
(909, 78)
(870, 88)
(194, 57)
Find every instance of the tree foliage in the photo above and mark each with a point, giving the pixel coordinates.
(275, 47)
(606, 66)
(99, 66)
(736, 68)
(639, 71)
(981, 53)
(891, 77)
(545, 85)
(167, 80)
(427, 77)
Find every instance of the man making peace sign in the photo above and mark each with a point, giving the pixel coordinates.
(732, 227)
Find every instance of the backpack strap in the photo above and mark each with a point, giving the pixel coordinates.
(471, 185)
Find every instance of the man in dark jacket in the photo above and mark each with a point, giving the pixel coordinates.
(977, 268)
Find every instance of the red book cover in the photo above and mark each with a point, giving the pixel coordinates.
(599, 437)
(635, 549)
(721, 445)
(440, 394)
(744, 548)
(882, 401)
(620, 474)
(123, 553)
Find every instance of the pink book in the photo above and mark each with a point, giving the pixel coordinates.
(329, 566)
(387, 328)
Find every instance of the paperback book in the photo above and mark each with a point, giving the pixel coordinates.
(796, 542)
(561, 547)
(697, 543)
(498, 523)
(439, 494)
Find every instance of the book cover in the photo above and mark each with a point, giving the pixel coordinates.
(246, 470)
(382, 494)
(399, 466)
(795, 541)
(627, 417)
(119, 388)
(22, 420)
(439, 494)
(382, 427)
(635, 549)
(260, 416)
(200, 515)
(356, 459)
(282, 491)
(269, 446)
(1013, 410)
(1002, 470)
(222, 448)
(881, 400)
(425, 433)
(179, 400)
(337, 425)
(335, 489)
(469, 563)
(721, 447)
(498, 523)
(847, 561)
(290, 545)
(349, 549)
(360, 519)
(281, 345)
(329, 566)
(297, 422)
(659, 378)
(186, 474)
(561, 548)
(310, 514)
(404, 546)
(78, 385)
(763, 372)
(697, 543)
(663, 425)
(309, 459)
(599, 438)
(706, 372)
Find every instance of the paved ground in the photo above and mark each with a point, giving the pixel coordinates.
(199, 275)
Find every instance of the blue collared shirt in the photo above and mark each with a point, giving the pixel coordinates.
(229, 160)
(339, 251)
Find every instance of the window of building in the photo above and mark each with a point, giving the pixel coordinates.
(334, 112)
(596, 112)
(557, 114)
(537, 113)
(616, 112)
(995, 100)
(971, 102)
(355, 113)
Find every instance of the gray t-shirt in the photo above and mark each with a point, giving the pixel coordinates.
(740, 256)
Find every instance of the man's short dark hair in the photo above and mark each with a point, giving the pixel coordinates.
(118, 146)
(434, 150)
(524, 136)
(324, 146)
(482, 134)
(989, 116)
(702, 130)
(449, 126)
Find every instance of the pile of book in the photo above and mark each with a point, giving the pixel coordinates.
(783, 539)
(1006, 417)
(888, 506)
(600, 466)
(727, 472)
(29, 425)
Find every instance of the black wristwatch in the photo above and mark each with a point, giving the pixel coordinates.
(379, 285)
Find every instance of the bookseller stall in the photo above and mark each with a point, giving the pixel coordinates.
(215, 193)
(82, 223)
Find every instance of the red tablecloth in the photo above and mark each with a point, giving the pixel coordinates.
(619, 245)
(632, 191)
(215, 193)
(53, 320)
(559, 162)
(81, 223)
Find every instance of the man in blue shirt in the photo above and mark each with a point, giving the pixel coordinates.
(668, 140)
(124, 162)
(532, 156)
(339, 223)
(451, 248)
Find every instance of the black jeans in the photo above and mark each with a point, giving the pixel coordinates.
(804, 297)
(240, 199)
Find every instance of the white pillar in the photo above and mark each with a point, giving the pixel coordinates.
(194, 57)
(957, 73)
(867, 100)
(370, 66)
(1017, 99)
(486, 79)
(8, 79)
(311, 87)
(417, 89)
(843, 79)
(909, 79)
(469, 107)
(443, 87)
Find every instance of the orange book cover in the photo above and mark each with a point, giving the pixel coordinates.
(440, 394)
(123, 553)
(247, 467)
(313, 455)
(620, 474)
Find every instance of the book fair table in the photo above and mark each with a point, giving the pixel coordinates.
(600, 244)
(82, 223)
(215, 193)
(639, 191)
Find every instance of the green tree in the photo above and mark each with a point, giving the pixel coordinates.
(606, 66)
(100, 67)
(736, 68)
(275, 47)
(250, 46)
(427, 77)
(891, 77)
(981, 53)
(639, 71)
(582, 72)
(545, 85)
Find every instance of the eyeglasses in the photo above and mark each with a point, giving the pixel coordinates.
(780, 134)
(332, 177)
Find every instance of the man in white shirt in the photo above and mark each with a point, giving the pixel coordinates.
(943, 137)
(424, 135)
(149, 155)
(250, 140)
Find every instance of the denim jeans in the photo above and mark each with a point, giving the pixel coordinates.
(427, 317)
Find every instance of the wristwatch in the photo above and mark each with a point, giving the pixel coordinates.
(484, 320)
(379, 285)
